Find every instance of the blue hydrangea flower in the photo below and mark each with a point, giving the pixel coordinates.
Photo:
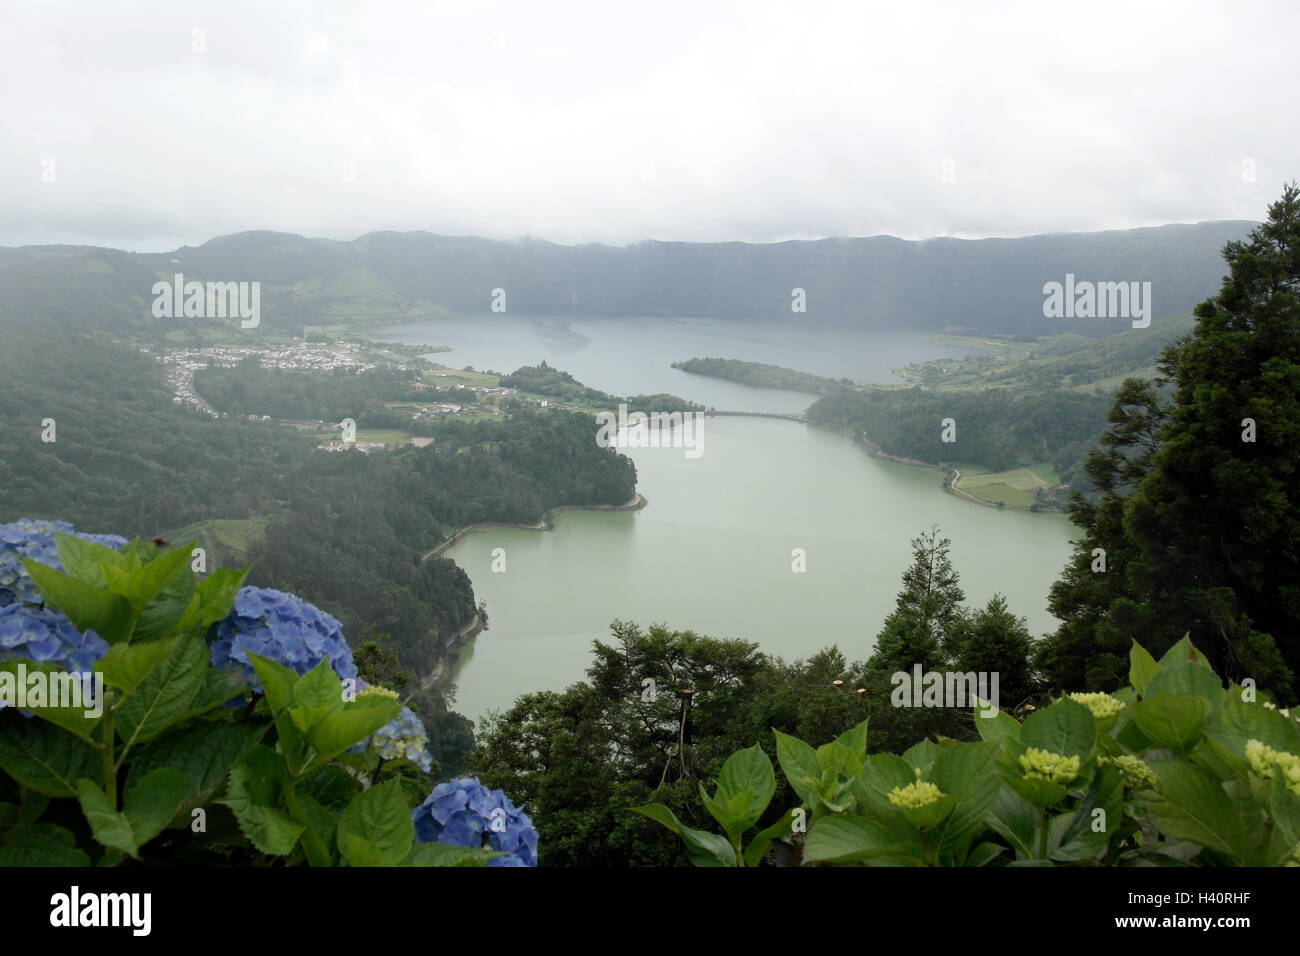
(463, 812)
(43, 634)
(284, 628)
(26, 538)
(404, 737)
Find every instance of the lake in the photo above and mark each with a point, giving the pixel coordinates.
(712, 550)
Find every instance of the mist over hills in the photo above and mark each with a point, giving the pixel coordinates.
(986, 285)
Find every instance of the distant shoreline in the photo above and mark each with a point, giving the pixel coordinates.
(546, 524)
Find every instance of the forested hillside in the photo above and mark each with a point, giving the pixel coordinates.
(344, 530)
(986, 285)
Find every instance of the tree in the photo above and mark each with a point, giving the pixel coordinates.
(994, 641)
(1201, 506)
(925, 609)
(926, 612)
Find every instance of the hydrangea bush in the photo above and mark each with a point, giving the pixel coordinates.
(467, 814)
(285, 629)
(311, 771)
(1174, 770)
(26, 538)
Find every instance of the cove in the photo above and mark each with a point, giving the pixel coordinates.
(712, 552)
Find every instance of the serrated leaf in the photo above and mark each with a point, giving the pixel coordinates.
(42, 846)
(276, 679)
(87, 607)
(354, 723)
(316, 694)
(213, 599)
(81, 559)
(253, 797)
(146, 809)
(376, 829)
(58, 684)
(165, 694)
(126, 665)
(204, 752)
(46, 758)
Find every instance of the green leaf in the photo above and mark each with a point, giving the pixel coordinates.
(354, 723)
(147, 808)
(141, 586)
(1184, 652)
(762, 840)
(1186, 679)
(165, 694)
(1172, 721)
(81, 559)
(126, 665)
(204, 752)
(1066, 727)
(1014, 820)
(57, 684)
(922, 755)
(219, 686)
(1142, 668)
(983, 855)
(165, 610)
(1078, 840)
(317, 819)
(253, 797)
(87, 607)
(1284, 808)
(1192, 805)
(1236, 722)
(442, 854)
(967, 773)
(44, 845)
(747, 774)
(881, 774)
(276, 679)
(213, 599)
(843, 838)
(993, 729)
(316, 694)
(702, 848)
(376, 828)
(799, 764)
(46, 758)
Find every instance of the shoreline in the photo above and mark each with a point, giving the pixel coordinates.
(440, 676)
(546, 524)
(949, 486)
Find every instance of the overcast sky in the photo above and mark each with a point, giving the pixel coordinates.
(611, 121)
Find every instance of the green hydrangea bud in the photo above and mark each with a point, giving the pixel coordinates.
(1137, 775)
(1044, 765)
(1264, 760)
(1101, 705)
(914, 796)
